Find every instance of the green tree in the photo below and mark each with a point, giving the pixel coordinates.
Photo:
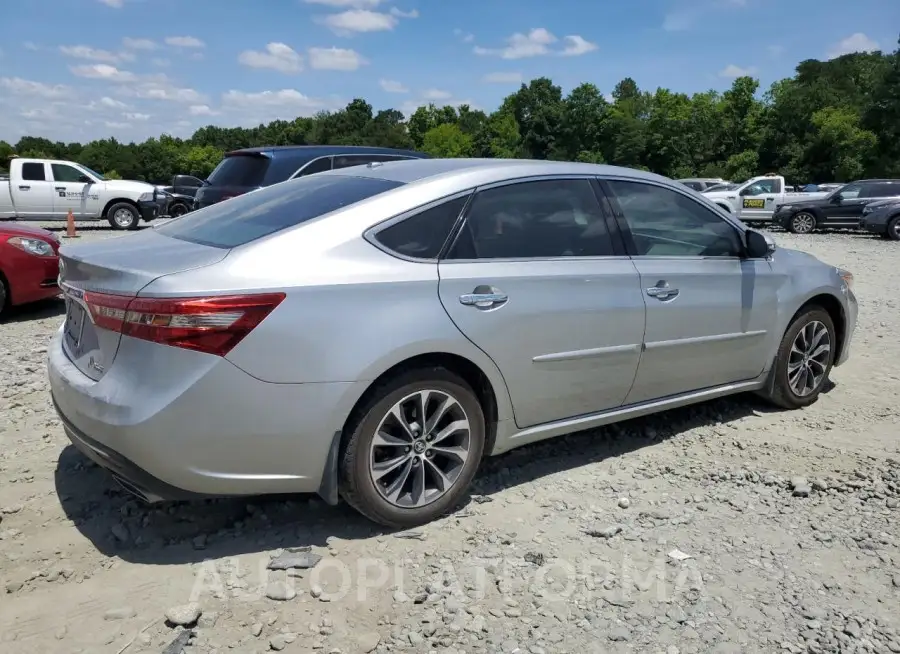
(447, 140)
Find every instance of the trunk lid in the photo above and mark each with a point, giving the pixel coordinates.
(117, 266)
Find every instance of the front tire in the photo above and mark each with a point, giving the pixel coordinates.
(802, 223)
(123, 216)
(804, 359)
(893, 229)
(178, 209)
(401, 470)
(4, 297)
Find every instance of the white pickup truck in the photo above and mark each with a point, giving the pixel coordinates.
(47, 189)
(756, 199)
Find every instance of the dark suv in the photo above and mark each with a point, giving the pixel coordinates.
(843, 207)
(245, 170)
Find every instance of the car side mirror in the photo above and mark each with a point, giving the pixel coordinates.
(837, 199)
(758, 245)
(84, 179)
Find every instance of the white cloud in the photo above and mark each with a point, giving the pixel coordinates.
(201, 110)
(115, 4)
(162, 63)
(116, 125)
(277, 56)
(106, 101)
(31, 45)
(437, 94)
(185, 42)
(391, 86)
(356, 21)
(732, 72)
(103, 71)
(22, 87)
(466, 37)
(414, 13)
(93, 54)
(139, 44)
(247, 108)
(164, 91)
(502, 78)
(282, 98)
(576, 46)
(136, 116)
(857, 42)
(537, 43)
(335, 59)
(346, 4)
(534, 44)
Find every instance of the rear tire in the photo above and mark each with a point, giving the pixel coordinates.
(123, 216)
(399, 485)
(802, 223)
(177, 209)
(805, 336)
(893, 229)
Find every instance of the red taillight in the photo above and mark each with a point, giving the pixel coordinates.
(213, 325)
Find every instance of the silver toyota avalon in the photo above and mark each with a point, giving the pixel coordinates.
(373, 333)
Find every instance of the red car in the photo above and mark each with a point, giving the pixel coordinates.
(29, 264)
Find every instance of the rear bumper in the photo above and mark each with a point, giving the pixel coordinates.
(174, 424)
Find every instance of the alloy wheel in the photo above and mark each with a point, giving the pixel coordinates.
(808, 360)
(420, 448)
(803, 223)
(123, 217)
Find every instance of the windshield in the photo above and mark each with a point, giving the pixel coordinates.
(93, 173)
(722, 187)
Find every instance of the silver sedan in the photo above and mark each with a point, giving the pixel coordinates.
(373, 333)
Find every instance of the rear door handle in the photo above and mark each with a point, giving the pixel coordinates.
(662, 291)
(483, 300)
(24, 188)
(60, 188)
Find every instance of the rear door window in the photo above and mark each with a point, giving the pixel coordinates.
(423, 235)
(284, 165)
(319, 165)
(34, 172)
(240, 170)
(249, 217)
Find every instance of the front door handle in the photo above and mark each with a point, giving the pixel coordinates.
(60, 188)
(662, 291)
(483, 300)
(24, 188)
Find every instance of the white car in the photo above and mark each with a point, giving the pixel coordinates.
(47, 189)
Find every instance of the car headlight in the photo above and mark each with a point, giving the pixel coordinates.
(847, 276)
(33, 246)
(146, 197)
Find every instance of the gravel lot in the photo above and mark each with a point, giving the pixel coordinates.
(685, 532)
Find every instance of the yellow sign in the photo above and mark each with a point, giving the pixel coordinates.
(751, 203)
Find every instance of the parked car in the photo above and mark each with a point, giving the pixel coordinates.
(253, 168)
(702, 183)
(47, 189)
(373, 333)
(180, 194)
(842, 207)
(882, 217)
(29, 265)
(755, 200)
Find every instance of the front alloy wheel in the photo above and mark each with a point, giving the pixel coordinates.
(809, 358)
(803, 223)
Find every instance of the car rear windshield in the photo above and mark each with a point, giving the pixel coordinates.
(240, 170)
(269, 210)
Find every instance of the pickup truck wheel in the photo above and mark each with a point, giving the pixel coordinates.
(123, 216)
(893, 229)
(802, 223)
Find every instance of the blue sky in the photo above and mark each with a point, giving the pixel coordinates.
(82, 69)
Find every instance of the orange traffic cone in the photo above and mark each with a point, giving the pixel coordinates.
(70, 226)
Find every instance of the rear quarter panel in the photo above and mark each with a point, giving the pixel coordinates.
(351, 313)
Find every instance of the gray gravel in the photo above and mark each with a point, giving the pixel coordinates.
(726, 527)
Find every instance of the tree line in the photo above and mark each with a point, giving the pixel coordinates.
(833, 121)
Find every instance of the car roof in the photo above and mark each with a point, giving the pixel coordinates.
(484, 171)
(321, 150)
